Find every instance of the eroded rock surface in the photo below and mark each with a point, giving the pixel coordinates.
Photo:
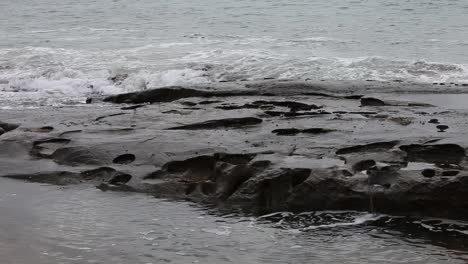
(260, 146)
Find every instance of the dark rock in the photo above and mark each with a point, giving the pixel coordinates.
(294, 131)
(102, 117)
(441, 153)
(133, 107)
(353, 97)
(428, 173)
(8, 127)
(120, 178)
(385, 175)
(44, 148)
(209, 102)
(295, 114)
(450, 173)
(80, 155)
(45, 129)
(169, 94)
(318, 192)
(372, 147)
(442, 128)
(269, 190)
(434, 121)
(286, 131)
(221, 123)
(89, 100)
(369, 101)
(187, 103)
(95, 176)
(363, 165)
(124, 159)
(294, 106)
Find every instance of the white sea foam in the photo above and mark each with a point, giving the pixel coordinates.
(359, 220)
(60, 74)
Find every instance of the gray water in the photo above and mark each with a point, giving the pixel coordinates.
(60, 51)
(50, 224)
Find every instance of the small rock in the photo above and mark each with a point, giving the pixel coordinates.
(450, 173)
(124, 159)
(442, 128)
(132, 107)
(428, 173)
(369, 101)
(363, 165)
(434, 121)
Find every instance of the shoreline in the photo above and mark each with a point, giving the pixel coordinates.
(264, 146)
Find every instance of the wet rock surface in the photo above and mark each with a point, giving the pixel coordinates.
(260, 146)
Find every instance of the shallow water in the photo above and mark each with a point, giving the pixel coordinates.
(50, 224)
(59, 51)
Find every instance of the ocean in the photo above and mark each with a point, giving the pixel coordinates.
(56, 52)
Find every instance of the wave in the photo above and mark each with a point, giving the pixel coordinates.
(72, 73)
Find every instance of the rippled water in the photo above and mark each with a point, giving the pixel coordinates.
(50, 224)
(59, 49)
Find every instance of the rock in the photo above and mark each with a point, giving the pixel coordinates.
(363, 165)
(428, 173)
(296, 114)
(318, 192)
(370, 101)
(132, 107)
(433, 121)
(44, 148)
(8, 127)
(120, 178)
(168, 94)
(124, 159)
(439, 153)
(74, 156)
(372, 147)
(442, 128)
(404, 121)
(45, 129)
(450, 173)
(383, 175)
(221, 123)
(294, 106)
(206, 102)
(294, 131)
(111, 115)
(187, 103)
(269, 190)
(2, 131)
(286, 131)
(94, 176)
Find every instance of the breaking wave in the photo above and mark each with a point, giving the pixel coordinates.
(72, 74)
